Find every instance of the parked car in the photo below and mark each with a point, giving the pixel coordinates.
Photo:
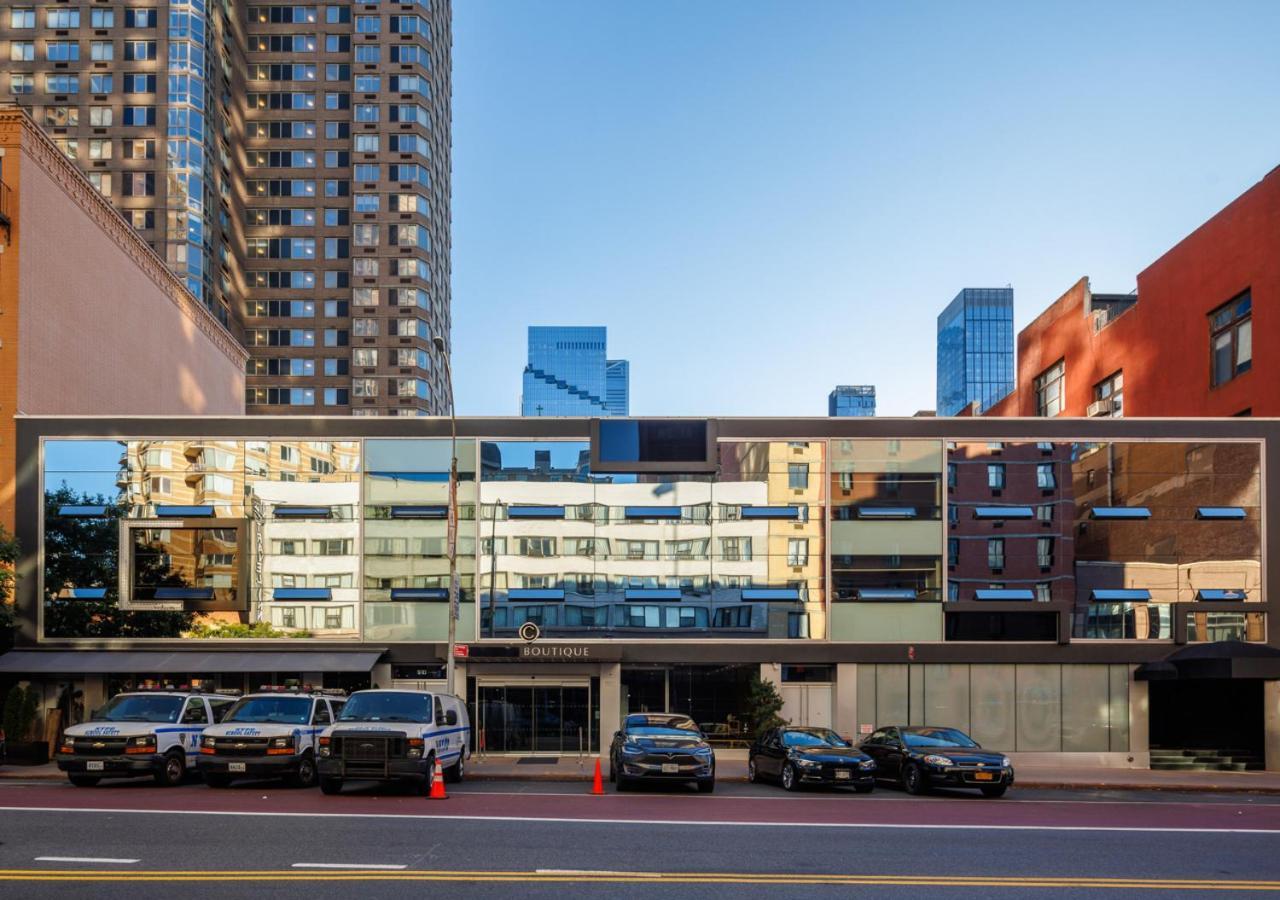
(924, 757)
(269, 734)
(795, 755)
(661, 747)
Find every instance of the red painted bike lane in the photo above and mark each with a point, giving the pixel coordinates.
(822, 810)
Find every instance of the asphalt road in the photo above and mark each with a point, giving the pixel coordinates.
(133, 840)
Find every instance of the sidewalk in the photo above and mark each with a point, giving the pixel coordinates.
(734, 768)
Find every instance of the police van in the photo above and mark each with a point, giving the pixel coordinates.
(394, 735)
(148, 732)
(269, 734)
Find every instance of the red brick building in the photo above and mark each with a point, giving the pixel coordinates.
(1192, 341)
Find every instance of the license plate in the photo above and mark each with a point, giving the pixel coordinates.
(984, 776)
(844, 775)
(94, 766)
(235, 767)
(670, 769)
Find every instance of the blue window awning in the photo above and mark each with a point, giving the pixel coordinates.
(1003, 512)
(770, 512)
(535, 594)
(1003, 594)
(302, 512)
(302, 594)
(660, 594)
(1120, 512)
(535, 512)
(886, 594)
(83, 593)
(1222, 595)
(1220, 512)
(420, 594)
(420, 512)
(82, 512)
(184, 512)
(651, 512)
(770, 594)
(1120, 595)
(886, 512)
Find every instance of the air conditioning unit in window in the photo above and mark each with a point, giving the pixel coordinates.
(1101, 408)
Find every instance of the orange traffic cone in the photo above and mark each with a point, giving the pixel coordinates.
(437, 783)
(597, 785)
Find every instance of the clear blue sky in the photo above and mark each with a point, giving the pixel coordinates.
(762, 200)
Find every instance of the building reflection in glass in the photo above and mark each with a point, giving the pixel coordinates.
(739, 555)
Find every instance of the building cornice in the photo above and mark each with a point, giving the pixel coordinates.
(18, 129)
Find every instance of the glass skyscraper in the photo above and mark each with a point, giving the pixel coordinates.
(852, 400)
(975, 350)
(568, 374)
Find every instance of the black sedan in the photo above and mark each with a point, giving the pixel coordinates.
(796, 756)
(661, 747)
(923, 757)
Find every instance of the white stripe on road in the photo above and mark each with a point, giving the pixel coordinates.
(346, 866)
(84, 859)
(715, 823)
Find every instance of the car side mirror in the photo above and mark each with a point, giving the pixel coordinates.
(451, 717)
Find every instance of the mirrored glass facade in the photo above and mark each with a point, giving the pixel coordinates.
(975, 350)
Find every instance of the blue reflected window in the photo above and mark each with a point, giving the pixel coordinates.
(1221, 595)
(536, 594)
(1003, 512)
(771, 512)
(87, 593)
(303, 512)
(420, 594)
(886, 594)
(82, 512)
(302, 594)
(651, 512)
(651, 594)
(419, 512)
(535, 512)
(1003, 594)
(185, 512)
(1120, 512)
(767, 594)
(1220, 512)
(1120, 595)
(886, 512)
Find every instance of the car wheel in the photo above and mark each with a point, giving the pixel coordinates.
(172, 770)
(84, 780)
(331, 785)
(217, 781)
(752, 775)
(790, 780)
(305, 777)
(994, 791)
(707, 786)
(913, 779)
(455, 773)
(431, 777)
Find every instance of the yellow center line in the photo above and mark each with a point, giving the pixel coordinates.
(569, 877)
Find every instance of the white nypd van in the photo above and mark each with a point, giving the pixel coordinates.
(393, 735)
(269, 734)
(154, 732)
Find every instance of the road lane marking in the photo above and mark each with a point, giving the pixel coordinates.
(611, 872)
(569, 877)
(85, 859)
(347, 866)
(715, 823)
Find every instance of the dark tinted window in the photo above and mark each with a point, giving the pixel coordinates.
(937, 737)
(655, 725)
(141, 708)
(387, 706)
(275, 710)
(813, 737)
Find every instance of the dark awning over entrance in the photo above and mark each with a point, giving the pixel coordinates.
(1220, 659)
(102, 662)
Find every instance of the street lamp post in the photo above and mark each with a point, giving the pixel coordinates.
(451, 540)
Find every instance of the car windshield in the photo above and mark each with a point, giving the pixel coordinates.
(274, 710)
(141, 708)
(662, 726)
(387, 706)
(937, 737)
(817, 737)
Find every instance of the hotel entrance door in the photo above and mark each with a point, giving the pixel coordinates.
(546, 718)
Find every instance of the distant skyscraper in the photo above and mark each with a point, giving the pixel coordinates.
(975, 349)
(852, 400)
(568, 374)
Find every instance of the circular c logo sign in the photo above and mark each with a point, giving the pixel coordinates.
(530, 632)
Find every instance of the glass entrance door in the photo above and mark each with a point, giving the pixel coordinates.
(542, 719)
